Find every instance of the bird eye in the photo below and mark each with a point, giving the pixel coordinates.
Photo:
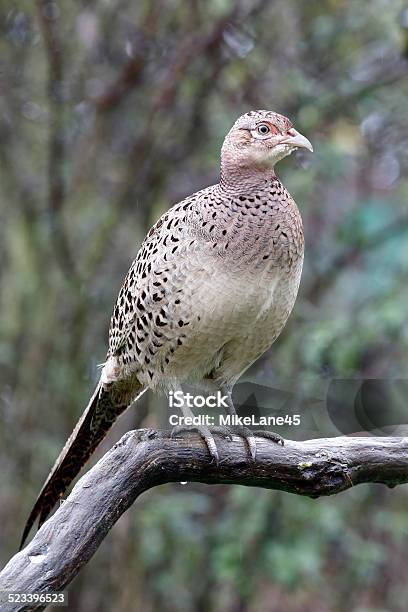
(263, 129)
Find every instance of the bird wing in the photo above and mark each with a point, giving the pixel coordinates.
(171, 233)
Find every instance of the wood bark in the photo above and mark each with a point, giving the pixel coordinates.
(146, 458)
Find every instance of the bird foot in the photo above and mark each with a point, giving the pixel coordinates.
(269, 435)
(207, 434)
(249, 436)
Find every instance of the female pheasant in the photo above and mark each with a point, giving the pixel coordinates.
(210, 290)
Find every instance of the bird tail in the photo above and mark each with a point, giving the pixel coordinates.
(95, 422)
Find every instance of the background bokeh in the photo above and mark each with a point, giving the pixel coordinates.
(110, 112)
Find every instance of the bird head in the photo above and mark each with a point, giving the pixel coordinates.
(258, 140)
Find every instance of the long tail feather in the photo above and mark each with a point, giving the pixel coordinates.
(92, 427)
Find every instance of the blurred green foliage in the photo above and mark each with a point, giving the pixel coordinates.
(109, 113)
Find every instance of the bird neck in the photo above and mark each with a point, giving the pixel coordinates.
(241, 179)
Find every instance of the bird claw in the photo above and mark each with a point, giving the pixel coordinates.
(269, 435)
(243, 432)
(224, 432)
(206, 435)
(249, 436)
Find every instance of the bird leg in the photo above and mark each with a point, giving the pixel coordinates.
(244, 432)
(205, 432)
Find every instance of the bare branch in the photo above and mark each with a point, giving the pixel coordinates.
(144, 459)
(129, 77)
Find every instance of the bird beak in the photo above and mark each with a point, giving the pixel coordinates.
(296, 139)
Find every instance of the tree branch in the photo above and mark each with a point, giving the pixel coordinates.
(144, 459)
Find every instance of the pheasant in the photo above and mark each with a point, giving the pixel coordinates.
(210, 290)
